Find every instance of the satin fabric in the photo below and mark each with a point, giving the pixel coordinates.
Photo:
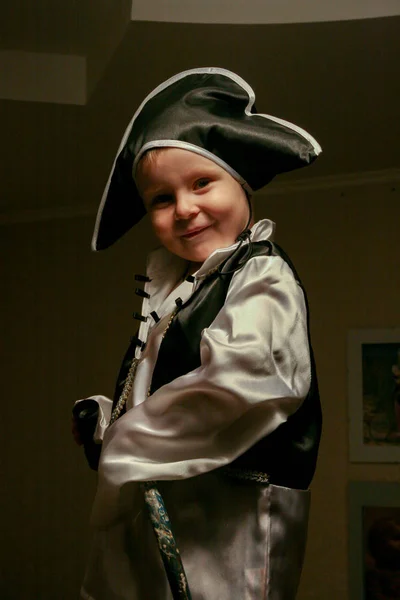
(238, 541)
(254, 373)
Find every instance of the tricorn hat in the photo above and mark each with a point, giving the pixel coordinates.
(209, 111)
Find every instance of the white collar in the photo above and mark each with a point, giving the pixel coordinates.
(163, 266)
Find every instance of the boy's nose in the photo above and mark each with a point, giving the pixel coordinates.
(185, 206)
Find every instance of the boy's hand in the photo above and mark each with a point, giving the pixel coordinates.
(84, 420)
(75, 432)
(83, 424)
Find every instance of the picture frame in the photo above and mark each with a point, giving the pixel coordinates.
(373, 361)
(374, 528)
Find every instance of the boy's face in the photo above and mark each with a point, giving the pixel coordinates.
(194, 205)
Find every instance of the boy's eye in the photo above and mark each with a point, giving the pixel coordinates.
(201, 183)
(160, 200)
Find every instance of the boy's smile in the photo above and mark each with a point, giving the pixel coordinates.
(195, 206)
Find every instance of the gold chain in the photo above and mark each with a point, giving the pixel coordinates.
(125, 392)
(130, 378)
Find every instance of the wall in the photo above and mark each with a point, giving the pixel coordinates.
(66, 322)
(345, 245)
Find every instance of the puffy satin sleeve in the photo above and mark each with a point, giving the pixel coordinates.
(255, 371)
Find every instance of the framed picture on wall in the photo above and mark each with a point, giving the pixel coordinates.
(374, 395)
(374, 534)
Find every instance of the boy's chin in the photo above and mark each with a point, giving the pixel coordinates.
(198, 255)
(197, 259)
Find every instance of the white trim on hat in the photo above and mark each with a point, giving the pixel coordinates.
(191, 148)
(252, 98)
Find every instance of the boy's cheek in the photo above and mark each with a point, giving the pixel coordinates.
(161, 232)
(156, 223)
(162, 224)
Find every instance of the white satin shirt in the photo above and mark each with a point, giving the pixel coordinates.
(255, 372)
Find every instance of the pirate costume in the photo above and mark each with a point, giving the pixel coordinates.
(217, 398)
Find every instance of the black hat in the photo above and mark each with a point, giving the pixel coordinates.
(209, 111)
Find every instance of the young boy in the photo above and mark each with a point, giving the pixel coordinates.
(217, 398)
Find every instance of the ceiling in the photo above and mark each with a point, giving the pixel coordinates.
(337, 79)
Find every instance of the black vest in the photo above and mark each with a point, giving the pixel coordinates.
(289, 454)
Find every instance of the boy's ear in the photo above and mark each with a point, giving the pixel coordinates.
(253, 212)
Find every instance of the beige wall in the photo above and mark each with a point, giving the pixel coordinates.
(66, 324)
